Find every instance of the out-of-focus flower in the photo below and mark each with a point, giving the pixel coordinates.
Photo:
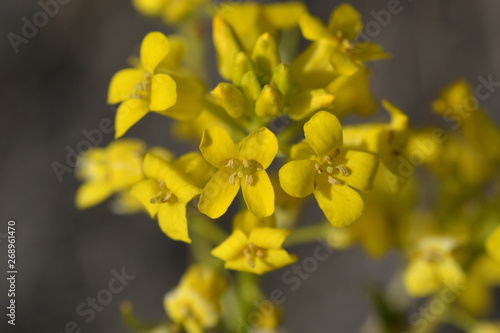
(432, 267)
(195, 303)
(109, 170)
(172, 11)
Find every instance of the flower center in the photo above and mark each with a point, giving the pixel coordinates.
(243, 169)
(163, 195)
(331, 170)
(252, 251)
(143, 89)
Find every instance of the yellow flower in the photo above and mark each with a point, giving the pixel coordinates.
(483, 276)
(172, 11)
(246, 221)
(106, 171)
(334, 50)
(169, 187)
(258, 251)
(239, 165)
(388, 142)
(249, 20)
(195, 303)
(433, 267)
(329, 171)
(486, 327)
(493, 244)
(353, 94)
(459, 106)
(152, 87)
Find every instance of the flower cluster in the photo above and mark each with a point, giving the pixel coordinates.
(362, 175)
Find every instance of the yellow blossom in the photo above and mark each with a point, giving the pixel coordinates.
(172, 11)
(195, 302)
(109, 170)
(169, 187)
(153, 87)
(329, 171)
(258, 252)
(239, 165)
(433, 267)
(388, 142)
(334, 50)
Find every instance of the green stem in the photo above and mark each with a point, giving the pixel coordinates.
(208, 229)
(307, 234)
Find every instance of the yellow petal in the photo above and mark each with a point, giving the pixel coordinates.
(122, 84)
(175, 180)
(226, 46)
(302, 151)
(312, 27)
(341, 204)
(307, 102)
(162, 153)
(353, 94)
(190, 92)
(265, 56)
(361, 169)
(230, 98)
(218, 195)
(312, 68)
(259, 196)
(346, 20)
(493, 244)
(173, 222)
(297, 178)
(232, 247)
(217, 147)
(270, 102)
(274, 259)
(268, 238)
(144, 191)
(246, 222)
(92, 193)
(284, 15)
(128, 113)
(149, 7)
(342, 63)
(261, 146)
(163, 92)
(196, 168)
(365, 51)
(324, 133)
(154, 48)
(420, 278)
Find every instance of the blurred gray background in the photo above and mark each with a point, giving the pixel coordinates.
(56, 86)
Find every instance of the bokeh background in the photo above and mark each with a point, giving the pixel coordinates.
(56, 86)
